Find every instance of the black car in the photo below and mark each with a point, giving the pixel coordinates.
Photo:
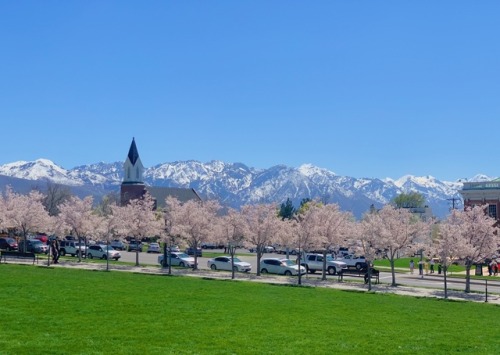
(8, 244)
(190, 251)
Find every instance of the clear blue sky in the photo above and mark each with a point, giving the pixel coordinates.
(361, 88)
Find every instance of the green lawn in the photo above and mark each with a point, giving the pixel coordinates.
(61, 311)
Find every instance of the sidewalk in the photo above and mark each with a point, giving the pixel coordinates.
(310, 280)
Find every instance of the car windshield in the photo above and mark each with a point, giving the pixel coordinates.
(183, 255)
(108, 247)
(329, 258)
(236, 260)
(288, 262)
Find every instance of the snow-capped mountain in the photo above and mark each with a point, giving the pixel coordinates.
(236, 184)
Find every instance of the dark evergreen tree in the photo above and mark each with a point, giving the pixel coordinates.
(287, 210)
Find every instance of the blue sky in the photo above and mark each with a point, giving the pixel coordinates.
(362, 88)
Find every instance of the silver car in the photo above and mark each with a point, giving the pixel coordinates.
(280, 266)
(224, 263)
(178, 259)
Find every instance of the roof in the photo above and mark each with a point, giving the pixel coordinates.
(133, 154)
(182, 194)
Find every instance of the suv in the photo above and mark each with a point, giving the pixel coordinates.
(34, 246)
(99, 251)
(72, 248)
(118, 244)
(314, 262)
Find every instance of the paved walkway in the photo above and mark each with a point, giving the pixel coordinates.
(312, 281)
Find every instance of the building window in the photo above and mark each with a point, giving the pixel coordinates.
(492, 211)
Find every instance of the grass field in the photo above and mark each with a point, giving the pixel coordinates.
(62, 311)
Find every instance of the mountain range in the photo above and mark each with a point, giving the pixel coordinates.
(235, 184)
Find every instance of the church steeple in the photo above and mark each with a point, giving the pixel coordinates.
(133, 154)
(133, 168)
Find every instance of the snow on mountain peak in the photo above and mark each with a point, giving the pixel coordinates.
(40, 169)
(311, 170)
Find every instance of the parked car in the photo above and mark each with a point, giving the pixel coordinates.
(42, 237)
(134, 245)
(118, 244)
(72, 248)
(280, 266)
(353, 261)
(8, 244)
(174, 248)
(154, 248)
(265, 249)
(224, 263)
(314, 262)
(190, 251)
(102, 252)
(178, 259)
(34, 246)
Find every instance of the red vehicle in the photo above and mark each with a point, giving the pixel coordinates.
(8, 244)
(42, 237)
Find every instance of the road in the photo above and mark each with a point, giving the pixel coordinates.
(434, 281)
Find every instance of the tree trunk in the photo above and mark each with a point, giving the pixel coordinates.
(231, 251)
(468, 266)
(444, 269)
(393, 273)
(323, 276)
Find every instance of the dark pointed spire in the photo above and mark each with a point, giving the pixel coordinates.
(133, 154)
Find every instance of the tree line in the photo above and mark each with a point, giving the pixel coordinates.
(468, 236)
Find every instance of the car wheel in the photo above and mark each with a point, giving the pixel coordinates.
(62, 252)
(358, 266)
(288, 273)
(235, 269)
(263, 271)
(104, 256)
(331, 270)
(90, 256)
(213, 267)
(181, 264)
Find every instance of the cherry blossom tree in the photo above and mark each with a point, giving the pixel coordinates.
(396, 229)
(307, 230)
(107, 223)
(138, 219)
(169, 239)
(76, 215)
(477, 237)
(334, 227)
(232, 229)
(262, 226)
(25, 213)
(365, 240)
(446, 246)
(196, 222)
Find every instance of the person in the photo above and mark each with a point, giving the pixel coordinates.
(412, 266)
(432, 266)
(57, 251)
(426, 266)
(54, 251)
(420, 267)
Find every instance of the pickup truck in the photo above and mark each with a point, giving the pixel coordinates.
(314, 262)
(353, 261)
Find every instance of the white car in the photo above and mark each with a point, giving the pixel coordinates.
(154, 248)
(280, 266)
(178, 259)
(224, 263)
(99, 251)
